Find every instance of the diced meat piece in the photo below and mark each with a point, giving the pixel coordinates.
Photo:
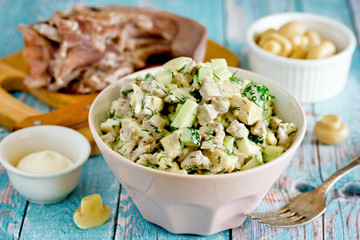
(130, 130)
(206, 114)
(147, 145)
(260, 129)
(108, 138)
(180, 65)
(184, 153)
(123, 108)
(177, 95)
(270, 138)
(245, 110)
(171, 144)
(127, 88)
(127, 148)
(228, 89)
(285, 133)
(197, 159)
(284, 139)
(237, 129)
(141, 150)
(221, 104)
(145, 159)
(163, 161)
(207, 79)
(221, 162)
(213, 135)
(151, 106)
(210, 91)
(275, 122)
(158, 89)
(155, 124)
(127, 133)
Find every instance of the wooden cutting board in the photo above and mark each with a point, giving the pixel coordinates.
(72, 110)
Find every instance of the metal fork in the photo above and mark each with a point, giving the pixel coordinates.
(304, 207)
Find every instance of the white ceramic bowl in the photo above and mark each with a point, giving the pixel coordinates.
(44, 188)
(309, 80)
(197, 204)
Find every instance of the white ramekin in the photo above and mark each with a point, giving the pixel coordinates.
(44, 188)
(309, 80)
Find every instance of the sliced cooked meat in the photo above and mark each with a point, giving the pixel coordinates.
(86, 49)
(38, 52)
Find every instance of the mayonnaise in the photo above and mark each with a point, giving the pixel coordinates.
(44, 162)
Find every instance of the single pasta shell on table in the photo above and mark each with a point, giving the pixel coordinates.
(91, 213)
(331, 130)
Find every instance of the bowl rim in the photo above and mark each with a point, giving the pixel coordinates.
(75, 134)
(349, 49)
(282, 157)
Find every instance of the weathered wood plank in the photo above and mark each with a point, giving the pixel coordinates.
(355, 10)
(55, 221)
(312, 164)
(333, 157)
(12, 207)
(131, 225)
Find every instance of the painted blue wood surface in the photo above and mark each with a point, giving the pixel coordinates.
(226, 22)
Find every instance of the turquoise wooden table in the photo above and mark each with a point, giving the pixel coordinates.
(226, 22)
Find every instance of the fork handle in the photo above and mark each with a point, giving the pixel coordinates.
(325, 186)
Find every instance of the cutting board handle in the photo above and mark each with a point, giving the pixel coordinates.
(12, 110)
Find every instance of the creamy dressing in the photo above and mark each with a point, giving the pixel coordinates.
(44, 162)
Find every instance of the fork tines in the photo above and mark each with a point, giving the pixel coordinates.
(282, 217)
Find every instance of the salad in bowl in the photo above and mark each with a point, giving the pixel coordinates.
(196, 118)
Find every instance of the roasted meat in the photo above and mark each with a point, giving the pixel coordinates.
(86, 49)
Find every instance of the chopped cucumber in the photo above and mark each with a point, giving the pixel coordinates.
(109, 125)
(219, 63)
(189, 137)
(271, 152)
(220, 69)
(244, 145)
(163, 133)
(171, 117)
(177, 110)
(205, 71)
(165, 77)
(186, 115)
(228, 142)
(253, 162)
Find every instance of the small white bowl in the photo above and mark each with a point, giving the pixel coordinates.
(197, 204)
(309, 80)
(44, 188)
